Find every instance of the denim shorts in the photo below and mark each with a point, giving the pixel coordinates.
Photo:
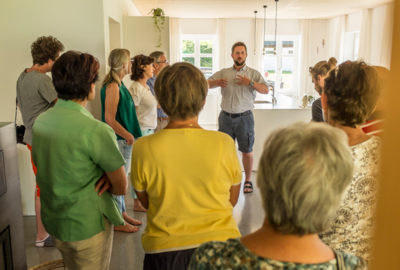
(240, 128)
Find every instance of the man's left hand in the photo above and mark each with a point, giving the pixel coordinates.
(103, 184)
(242, 80)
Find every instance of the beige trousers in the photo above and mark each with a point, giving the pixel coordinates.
(92, 253)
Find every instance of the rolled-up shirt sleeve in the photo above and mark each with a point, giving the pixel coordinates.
(259, 78)
(217, 75)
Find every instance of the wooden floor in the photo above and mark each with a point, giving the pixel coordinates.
(127, 248)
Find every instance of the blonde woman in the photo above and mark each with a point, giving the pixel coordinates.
(118, 111)
(318, 74)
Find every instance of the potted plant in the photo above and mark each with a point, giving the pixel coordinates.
(159, 19)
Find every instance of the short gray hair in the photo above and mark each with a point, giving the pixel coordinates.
(303, 173)
(156, 55)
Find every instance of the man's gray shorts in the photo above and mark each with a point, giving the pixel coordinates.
(240, 127)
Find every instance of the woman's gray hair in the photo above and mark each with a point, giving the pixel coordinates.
(303, 173)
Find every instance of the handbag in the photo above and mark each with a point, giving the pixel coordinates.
(339, 260)
(19, 130)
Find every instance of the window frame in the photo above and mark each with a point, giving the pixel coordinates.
(278, 64)
(197, 55)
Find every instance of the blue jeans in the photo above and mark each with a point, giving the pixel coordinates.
(126, 151)
(144, 133)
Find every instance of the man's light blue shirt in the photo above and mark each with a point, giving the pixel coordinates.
(150, 82)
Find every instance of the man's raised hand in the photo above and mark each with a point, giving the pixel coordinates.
(242, 80)
(222, 82)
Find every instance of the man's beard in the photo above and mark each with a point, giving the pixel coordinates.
(240, 63)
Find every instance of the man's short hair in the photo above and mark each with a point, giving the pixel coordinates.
(156, 55)
(303, 172)
(237, 44)
(181, 90)
(73, 75)
(45, 48)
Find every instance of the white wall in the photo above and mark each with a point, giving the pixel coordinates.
(116, 10)
(318, 33)
(141, 38)
(79, 25)
(198, 26)
(331, 29)
(353, 22)
(378, 19)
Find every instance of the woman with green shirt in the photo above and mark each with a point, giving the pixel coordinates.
(118, 111)
(72, 151)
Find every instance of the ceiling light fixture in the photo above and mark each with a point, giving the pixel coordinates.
(265, 15)
(276, 26)
(255, 30)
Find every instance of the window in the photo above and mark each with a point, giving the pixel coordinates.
(280, 62)
(351, 45)
(200, 51)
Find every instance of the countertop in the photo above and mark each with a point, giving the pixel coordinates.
(283, 103)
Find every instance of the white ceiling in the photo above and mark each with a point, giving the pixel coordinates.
(287, 9)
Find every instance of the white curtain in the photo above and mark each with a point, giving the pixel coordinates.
(304, 64)
(365, 36)
(175, 40)
(221, 43)
(259, 46)
(340, 35)
(386, 51)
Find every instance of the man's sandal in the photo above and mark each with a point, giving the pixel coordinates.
(248, 185)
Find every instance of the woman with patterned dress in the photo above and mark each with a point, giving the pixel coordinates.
(303, 173)
(349, 97)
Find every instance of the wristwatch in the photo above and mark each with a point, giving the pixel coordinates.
(251, 83)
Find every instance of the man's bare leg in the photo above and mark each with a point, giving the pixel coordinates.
(247, 159)
(41, 231)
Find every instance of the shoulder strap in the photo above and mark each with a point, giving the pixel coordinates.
(16, 109)
(339, 260)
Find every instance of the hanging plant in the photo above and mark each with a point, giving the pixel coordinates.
(159, 19)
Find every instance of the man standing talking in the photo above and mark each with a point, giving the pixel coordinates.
(239, 86)
(160, 62)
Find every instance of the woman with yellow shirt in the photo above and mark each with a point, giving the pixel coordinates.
(187, 177)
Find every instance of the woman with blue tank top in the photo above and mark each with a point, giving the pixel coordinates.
(118, 111)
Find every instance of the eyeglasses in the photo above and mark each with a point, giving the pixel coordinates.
(310, 69)
(166, 62)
